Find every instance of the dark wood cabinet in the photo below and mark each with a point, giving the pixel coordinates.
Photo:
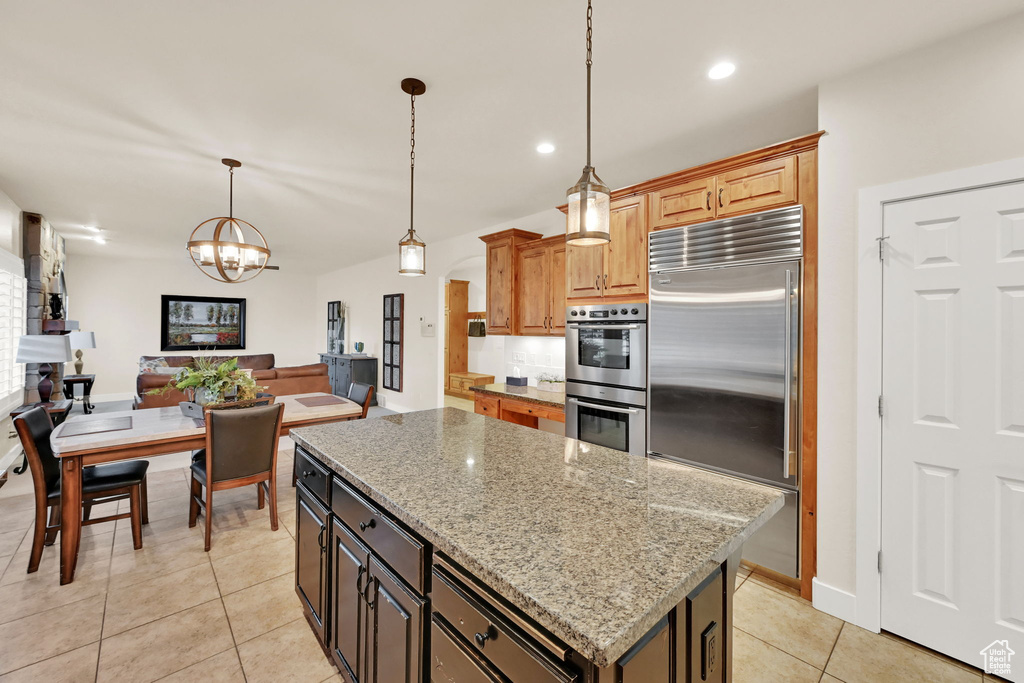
(349, 582)
(343, 369)
(311, 538)
(396, 626)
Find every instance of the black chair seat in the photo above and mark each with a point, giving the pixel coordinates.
(198, 467)
(199, 456)
(99, 478)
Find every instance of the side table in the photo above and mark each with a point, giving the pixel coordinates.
(58, 412)
(69, 390)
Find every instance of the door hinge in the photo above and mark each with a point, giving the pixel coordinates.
(879, 561)
(881, 247)
(881, 406)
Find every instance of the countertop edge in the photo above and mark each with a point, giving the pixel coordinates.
(526, 398)
(601, 653)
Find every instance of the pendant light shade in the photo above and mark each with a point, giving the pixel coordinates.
(589, 199)
(412, 252)
(228, 249)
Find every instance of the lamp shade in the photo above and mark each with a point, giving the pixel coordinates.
(83, 340)
(44, 348)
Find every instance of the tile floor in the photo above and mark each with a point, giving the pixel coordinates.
(174, 612)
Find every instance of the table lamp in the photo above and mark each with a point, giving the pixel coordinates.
(79, 341)
(44, 349)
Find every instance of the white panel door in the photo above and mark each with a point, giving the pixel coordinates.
(953, 425)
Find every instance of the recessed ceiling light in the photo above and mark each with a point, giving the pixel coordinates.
(721, 70)
(99, 240)
(545, 148)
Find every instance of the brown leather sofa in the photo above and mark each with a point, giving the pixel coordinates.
(300, 379)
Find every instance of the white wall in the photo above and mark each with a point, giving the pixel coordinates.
(119, 300)
(486, 354)
(955, 104)
(10, 225)
(364, 285)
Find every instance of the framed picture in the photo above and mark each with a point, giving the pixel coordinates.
(196, 323)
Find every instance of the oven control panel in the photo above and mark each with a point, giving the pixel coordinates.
(607, 313)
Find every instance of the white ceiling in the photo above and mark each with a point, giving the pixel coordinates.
(116, 112)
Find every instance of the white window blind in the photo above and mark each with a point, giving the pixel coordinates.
(12, 326)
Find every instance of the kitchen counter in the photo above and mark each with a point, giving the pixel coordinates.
(553, 399)
(595, 545)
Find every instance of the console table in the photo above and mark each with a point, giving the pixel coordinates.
(345, 368)
(86, 381)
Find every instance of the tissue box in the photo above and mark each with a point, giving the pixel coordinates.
(515, 381)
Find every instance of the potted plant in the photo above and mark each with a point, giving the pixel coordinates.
(550, 382)
(209, 382)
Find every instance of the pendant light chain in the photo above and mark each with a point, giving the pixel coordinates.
(231, 192)
(412, 153)
(590, 62)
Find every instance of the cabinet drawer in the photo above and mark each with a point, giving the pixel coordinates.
(454, 660)
(313, 475)
(533, 409)
(405, 554)
(485, 405)
(490, 634)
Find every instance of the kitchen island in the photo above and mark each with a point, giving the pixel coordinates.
(443, 545)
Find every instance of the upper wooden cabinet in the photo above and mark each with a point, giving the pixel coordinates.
(617, 269)
(689, 202)
(502, 280)
(541, 291)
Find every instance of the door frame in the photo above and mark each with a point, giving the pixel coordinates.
(870, 226)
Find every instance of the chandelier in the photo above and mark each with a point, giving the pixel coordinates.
(412, 252)
(589, 199)
(236, 251)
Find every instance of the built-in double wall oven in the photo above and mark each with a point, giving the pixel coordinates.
(606, 375)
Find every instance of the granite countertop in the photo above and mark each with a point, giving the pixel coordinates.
(554, 399)
(594, 544)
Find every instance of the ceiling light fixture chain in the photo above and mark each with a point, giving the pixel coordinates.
(590, 63)
(412, 150)
(412, 252)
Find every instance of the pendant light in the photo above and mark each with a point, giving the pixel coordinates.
(237, 251)
(412, 252)
(589, 199)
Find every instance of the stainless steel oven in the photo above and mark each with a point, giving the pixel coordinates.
(607, 416)
(607, 344)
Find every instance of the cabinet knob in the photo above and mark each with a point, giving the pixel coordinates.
(308, 473)
(363, 526)
(482, 638)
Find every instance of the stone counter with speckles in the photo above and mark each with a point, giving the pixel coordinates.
(594, 544)
(552, 399)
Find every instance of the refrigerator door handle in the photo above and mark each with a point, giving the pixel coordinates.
(788, 380)
(610, 409)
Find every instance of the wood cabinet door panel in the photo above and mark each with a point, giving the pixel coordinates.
(486, 405)
(398, 629)
(348, 608)
(534, 290)
(556, 324)
(584, 269)
(757, 187)
(692, 202)
(311, 558)
(626, 254)
(500, 256)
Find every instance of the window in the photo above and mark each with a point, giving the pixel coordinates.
(394, 306)
(12, 326)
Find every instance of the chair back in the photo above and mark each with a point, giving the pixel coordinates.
(361, 394)
(242, 442)
(34, 428)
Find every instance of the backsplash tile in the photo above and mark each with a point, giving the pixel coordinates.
(538, 355)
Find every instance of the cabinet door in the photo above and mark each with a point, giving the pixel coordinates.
(500, 263)
(344, 375)
(397, 616)
(311, 545)
(692, 202)
(350, 579)
(534, 292)
(757, 187)
(556, 323)
(626, 254)
(584, 271)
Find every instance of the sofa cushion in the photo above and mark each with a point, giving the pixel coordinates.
(302, 370)
(261, 361)
(264, 374)
(150, 380)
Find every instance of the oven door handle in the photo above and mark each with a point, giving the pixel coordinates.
(601, 326)
(610, 409)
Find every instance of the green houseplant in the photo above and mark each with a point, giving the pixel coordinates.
(209, 382)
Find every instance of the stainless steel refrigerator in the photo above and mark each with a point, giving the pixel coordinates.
(724, 362)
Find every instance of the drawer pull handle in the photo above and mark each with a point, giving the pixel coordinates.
(709, 200)
(363, 526)
(308, 473)
(482, 638)
(720, 191)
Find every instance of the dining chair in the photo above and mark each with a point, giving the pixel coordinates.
(241, 450)
(100, 484)
(362, 394)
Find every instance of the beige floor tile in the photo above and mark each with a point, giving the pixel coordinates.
(157, 560)
(154, 533)
(222, 668)
(247, 568)
(933, 653)
(175, 476)
(288, 653)
(167, 645)
(755, 661)
(90, 565)
(830, 679)
(95, 542)
(12, 505)
(71, 667)
(287, 518)
(230, 537)
(860, 655)
(41, 636)
(261, 608)
(20, 520)
(42, 591)
(166, 490)
(176, 506)
(793, 626)
(141, 603)
(10, 541)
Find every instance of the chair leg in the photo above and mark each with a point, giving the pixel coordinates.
(260, 499)
(273, 502)
(193, 502)
(38, 536)
(145, 502)
(86, 510)
(51, 533)
(135, 499)
(209, 516)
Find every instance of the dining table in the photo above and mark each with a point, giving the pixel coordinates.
(85, 440)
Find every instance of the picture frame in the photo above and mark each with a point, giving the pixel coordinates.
(197, 323)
